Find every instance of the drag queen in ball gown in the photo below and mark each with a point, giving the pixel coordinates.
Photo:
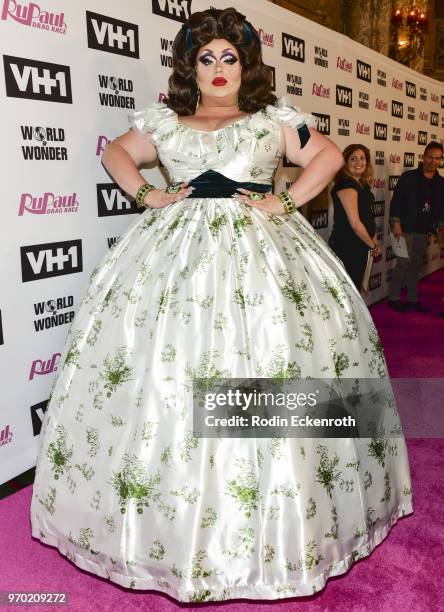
(212, 281)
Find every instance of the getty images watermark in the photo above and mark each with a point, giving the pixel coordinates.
(316, 408)
(246, 401)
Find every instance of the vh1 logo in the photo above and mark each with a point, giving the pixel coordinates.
(51, 259)
(410, 89)
(422, 138)
(380, 131)
(397, 109)
(322, 123)
(363, 71)
(293, 47)
(36, 80)
(112, 35)
(393, 181)
(112, 201)
(37, 416)
(178, 10)
(409, 160)
(319, 218)
(344, 96)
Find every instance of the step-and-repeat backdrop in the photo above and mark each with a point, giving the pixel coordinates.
(70, 74)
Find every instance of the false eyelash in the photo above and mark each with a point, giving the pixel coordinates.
(206, 60)
(230, 59)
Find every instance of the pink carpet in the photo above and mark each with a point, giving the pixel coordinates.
(403, 573)
(413, 342)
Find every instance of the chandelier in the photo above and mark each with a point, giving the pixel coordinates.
(409, 23)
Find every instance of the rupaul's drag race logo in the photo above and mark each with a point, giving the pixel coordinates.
(40, 367)
(48, 203)
(32, 15)
(5, 435)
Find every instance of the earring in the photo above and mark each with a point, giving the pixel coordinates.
(198, 101)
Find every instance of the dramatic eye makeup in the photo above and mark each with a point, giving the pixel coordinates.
(206, 59)
(227, 57)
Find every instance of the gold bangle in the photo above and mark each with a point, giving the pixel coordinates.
(142, 192)
(287, 200)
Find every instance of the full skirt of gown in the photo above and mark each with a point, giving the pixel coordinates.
(124, 487)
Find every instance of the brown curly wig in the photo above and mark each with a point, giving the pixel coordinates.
(202, 28)
(367, 176)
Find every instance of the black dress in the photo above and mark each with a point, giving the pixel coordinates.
(352, 251)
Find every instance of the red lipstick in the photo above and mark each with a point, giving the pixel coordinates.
(219, 82)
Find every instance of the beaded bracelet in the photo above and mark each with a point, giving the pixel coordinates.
(142, 192)
(287, 200)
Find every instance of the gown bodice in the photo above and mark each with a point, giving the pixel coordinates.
(247, 150)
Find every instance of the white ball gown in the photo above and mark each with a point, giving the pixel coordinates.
(211, 287)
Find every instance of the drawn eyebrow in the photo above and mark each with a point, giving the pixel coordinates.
(210, 52)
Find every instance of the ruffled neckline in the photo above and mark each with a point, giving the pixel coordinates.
(279, 111)
(232, 124)
(162, 121)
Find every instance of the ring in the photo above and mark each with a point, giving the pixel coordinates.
(256, 196)
(173, 189)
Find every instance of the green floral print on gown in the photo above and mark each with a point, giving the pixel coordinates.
(211, 287)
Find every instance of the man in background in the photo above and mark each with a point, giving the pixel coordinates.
(417, 208)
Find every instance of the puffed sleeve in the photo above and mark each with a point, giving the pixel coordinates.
(285, 114)
(151, 118)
